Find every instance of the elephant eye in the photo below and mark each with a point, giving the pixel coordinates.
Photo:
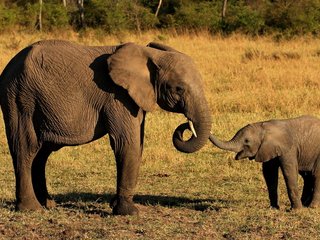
(179, 89)
(246, 141)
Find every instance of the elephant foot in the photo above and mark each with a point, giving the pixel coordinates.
(123, 206)
(46, 201)
(314, 204)
(296, 207)
(306, 201)
(28, 206)
(50, 203)
(274, 206)
(113, 201)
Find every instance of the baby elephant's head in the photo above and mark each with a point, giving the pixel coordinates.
(261, 141)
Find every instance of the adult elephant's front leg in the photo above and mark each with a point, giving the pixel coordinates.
(128, 153)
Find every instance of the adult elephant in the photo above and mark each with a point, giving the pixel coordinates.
(56, 93)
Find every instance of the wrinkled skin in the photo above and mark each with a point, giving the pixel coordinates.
(55, 93)
(292, 145)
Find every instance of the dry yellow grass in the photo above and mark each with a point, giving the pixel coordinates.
(205, 195)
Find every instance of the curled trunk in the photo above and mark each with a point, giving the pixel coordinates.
(202, 126)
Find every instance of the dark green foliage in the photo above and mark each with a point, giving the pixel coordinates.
(202, 15)
(7, 17)
(292, 17)
(55, 15)
(243, 18)
(29, 17)
(115, 15)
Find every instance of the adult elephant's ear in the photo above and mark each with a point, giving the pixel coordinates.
(129, 67)
(276, 141)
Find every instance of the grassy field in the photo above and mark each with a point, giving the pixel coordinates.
(205, 195)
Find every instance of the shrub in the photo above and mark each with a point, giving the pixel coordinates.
(54, 15)
(114, 16)
(8, 17)
(296, 17)
(243, 18)
(202, 15)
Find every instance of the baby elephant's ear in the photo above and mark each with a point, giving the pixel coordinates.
(276, 141)
(129, 67)
(268, 150)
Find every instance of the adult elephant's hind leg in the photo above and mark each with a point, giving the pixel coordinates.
(24, 148)
(39, 177)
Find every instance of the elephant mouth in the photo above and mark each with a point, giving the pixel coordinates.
(239, 156)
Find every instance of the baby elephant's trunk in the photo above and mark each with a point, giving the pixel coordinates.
(232, 145)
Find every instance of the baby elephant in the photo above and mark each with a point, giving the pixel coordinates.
(291, 144)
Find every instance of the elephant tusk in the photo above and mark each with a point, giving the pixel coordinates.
(192, 128)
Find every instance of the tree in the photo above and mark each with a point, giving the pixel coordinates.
(224, 9)
(81, 13)
(158, 8)
(39, 23)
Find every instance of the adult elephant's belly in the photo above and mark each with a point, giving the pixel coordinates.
(69, 127)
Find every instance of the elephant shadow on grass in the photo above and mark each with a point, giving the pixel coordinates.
(90, 203)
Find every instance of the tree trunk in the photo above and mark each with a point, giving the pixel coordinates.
(39, 25)
(64, 2)
(81, 13)
(158, 8)
(224, 9)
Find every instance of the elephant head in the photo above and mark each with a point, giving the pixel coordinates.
(158, 74)
(261, 141)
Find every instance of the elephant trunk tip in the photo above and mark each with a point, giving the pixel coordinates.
(196, 141)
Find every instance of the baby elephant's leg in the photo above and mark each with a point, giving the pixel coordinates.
(290, 172)
(308, 188)
(270, 172)
(316, 192)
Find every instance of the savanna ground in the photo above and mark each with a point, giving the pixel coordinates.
(205, 195)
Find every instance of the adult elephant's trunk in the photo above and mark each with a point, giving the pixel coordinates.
(201, 121)
(232, 145)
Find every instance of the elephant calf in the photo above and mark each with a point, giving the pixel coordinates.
(291, 144)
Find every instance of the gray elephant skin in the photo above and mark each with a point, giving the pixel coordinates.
(56, 93)
(291, 144)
